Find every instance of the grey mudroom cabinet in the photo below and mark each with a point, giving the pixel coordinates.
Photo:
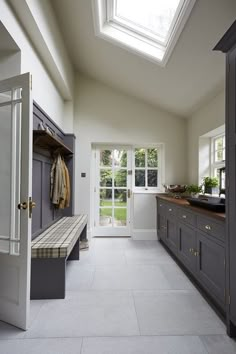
(197, 239)
(228, 45)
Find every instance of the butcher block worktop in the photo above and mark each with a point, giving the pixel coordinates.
(184, 203)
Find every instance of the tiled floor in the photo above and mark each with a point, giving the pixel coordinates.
(123, 297)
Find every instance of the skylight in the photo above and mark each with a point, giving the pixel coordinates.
(147, 27)
(152, 18)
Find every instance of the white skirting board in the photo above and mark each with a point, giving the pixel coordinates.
(144, 234)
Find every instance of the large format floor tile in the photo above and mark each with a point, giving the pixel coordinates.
(220, 344)
(175, 313)
(41, 346)
(130, 277)
(143, 345)
(87, 314)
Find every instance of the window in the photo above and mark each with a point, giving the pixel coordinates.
(218, 154)
(153, 19)
(147, 27)
(146, 168)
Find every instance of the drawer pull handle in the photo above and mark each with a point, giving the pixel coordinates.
(184, 216)
(196, 253)
(160, 205)
(170, 209)
(191, 250)
(208, 227)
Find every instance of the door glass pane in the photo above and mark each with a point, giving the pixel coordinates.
(105, 217)
(152, 157)
(120, 158)
(106, 158)
(120, 217)
(5, 171)
(120, 178)
(5, 96)
(139, 157)
(106, 178)
(120, 197)
(152, 178)
(139, 178)
(105, 197)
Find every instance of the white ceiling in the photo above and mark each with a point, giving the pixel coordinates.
(193, 75)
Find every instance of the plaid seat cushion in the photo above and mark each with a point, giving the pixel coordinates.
(59, 239)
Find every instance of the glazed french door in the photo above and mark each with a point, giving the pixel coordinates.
(15, 199)
(112, 191)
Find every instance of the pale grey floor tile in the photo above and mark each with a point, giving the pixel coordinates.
(41, 346)
(139, 277)
(10, 332)
(35, 307)
(87, 314)
(176, 277)
(78, 276)
(220, 344)
(143, 345)
(144, 256)
(182, 312)
(104, 257)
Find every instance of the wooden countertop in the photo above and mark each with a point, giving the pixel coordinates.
(184, 203)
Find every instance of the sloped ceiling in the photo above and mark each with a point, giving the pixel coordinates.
(193, 74)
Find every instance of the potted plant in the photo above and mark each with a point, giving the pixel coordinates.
(194, 190)
(210, 185)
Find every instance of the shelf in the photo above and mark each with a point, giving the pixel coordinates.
(46, 141)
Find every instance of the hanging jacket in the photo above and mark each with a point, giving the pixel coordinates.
(58, 181)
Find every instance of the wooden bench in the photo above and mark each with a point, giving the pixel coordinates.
(50, 251)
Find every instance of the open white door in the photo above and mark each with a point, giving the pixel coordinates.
(15, 201)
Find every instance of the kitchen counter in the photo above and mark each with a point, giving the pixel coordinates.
(184, 203)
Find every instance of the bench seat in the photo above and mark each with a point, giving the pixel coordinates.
(50, 251)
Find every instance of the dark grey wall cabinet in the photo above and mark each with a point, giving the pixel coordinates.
(228, 45)
(198, 241)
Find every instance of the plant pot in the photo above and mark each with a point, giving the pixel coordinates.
(211, 190)
(194, 195)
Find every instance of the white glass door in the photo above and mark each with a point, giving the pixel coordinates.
(112, 191)
(15, 201)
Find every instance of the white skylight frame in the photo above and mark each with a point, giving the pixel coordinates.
(114, 19)
(108, 27)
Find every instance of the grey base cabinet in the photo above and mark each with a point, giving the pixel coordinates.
(198, 241)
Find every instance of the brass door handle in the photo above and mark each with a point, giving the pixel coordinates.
(23, 206)
(31, 206)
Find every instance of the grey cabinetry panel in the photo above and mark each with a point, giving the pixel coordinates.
(211, 266)
(171, 234)
(187, 246)
(198, 241)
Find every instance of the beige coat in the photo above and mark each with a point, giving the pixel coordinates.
(58, 182)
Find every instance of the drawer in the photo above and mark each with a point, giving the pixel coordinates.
(211, 227)
(170, 210)
(187, 217)
(161, 206)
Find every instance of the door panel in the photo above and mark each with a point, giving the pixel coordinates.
(187, 246)
(210, 267)
(16, 187)
(171, 233)
(112, 191)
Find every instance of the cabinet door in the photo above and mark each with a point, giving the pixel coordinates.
(187, 242)
(162, 227)
(171, 233)
(211, 267)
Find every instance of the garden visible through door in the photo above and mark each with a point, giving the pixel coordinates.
(112, 192)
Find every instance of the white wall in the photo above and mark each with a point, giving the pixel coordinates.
(45, 92)
(105, 115)
(208, 118)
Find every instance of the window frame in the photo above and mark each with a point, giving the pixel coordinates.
(111, 6)
(216, 164)
(159, 168)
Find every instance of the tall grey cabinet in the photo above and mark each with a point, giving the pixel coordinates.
(228, 45)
